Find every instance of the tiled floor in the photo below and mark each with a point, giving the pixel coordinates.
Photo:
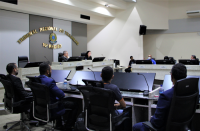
(15, 117)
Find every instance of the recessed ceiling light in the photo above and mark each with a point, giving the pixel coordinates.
(106, 5)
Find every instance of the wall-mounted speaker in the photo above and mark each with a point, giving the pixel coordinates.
(10, 1)
(85, 17)
(142, 30)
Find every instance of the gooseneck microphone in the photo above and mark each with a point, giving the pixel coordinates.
(93, 73)
(146, 92)
(47, 59)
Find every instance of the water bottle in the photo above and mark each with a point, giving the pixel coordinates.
(65, 83)
(161, 90)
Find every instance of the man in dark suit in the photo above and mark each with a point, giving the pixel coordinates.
(12, 70)
(159, 119)
(65, 56)
(132, 61)
(57, 94)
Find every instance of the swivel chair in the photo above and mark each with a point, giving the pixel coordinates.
(59, 57)
(42, 106)
(99, 109)
(183, 105)
(16, 107)
(22, 61)
(83, 54)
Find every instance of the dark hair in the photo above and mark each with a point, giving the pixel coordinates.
(10, 67)
(86, 54)
(179, 71)
(130, 57)
(107, 73)
(166, 58)
(44, 67)
(194, 56)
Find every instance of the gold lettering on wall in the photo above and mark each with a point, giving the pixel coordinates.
(49, 28)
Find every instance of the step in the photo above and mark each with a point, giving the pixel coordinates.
(1, 104)
(3, 112)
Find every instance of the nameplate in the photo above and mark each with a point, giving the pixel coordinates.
(78, 64)
(70, 64)
(141, 66)
(163, 67)
(188, 67)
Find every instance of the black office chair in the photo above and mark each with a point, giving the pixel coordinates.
(15, 107)
(183, 105)
(42, 105)
(22, 61)
(59, 57)
(83, 54)
(99, 108)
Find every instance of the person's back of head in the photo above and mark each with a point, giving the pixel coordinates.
(10, 67)
(107, 74)
(178, 71)
(43, 68)
(166, 58)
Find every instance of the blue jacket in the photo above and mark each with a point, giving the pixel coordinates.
(153, 61)
(55, 94)
(159, 119)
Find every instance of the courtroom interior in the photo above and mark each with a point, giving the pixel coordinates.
(99, 65)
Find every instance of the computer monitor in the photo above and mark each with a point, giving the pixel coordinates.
(60, 75)
(188, 62)
(167, 83)
(97, 59)
(133, 81)
(75, 58)
(117, 62)
(143, 61)
(32, 64)
(165, 62)
(79, 75)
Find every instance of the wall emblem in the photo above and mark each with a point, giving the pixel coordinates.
(53, 38)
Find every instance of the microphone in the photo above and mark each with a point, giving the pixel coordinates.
(146, 92)
(93, 73)
(47, 59)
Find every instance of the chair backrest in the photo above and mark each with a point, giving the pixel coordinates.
(83, 54)
(9, 94)
(183, 105)
(22, 61)
(34, 79)
(41, 101)
(2, 76)
(99, 106)
(59, 57)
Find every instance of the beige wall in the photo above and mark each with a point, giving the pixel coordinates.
(178, 9)
(179, 46)
(153, 13)
(119, 38)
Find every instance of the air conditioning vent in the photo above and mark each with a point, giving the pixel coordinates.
(193, 13)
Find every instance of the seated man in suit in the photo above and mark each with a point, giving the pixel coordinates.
(65, 56)
(129, 65)
(152, 60)
(159, 119)
(12, 70)
(57, 94)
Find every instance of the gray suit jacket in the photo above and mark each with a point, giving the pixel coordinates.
(64, 59)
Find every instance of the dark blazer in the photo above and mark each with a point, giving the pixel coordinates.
(64, 59)
(55, 94)
(131, 62)
(20, 92)
(88, 58)
(159, 119)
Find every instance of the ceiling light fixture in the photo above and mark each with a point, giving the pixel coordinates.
(106, 5)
